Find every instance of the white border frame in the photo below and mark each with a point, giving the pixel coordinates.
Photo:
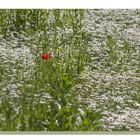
(69, 4)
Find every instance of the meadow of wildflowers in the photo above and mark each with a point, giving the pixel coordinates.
(113, 73)
(69, 70)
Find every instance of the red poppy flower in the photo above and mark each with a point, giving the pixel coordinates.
(45, 56)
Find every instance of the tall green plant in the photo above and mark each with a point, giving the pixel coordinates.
(49, 100)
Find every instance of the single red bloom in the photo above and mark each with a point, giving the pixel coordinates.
(45, 56)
